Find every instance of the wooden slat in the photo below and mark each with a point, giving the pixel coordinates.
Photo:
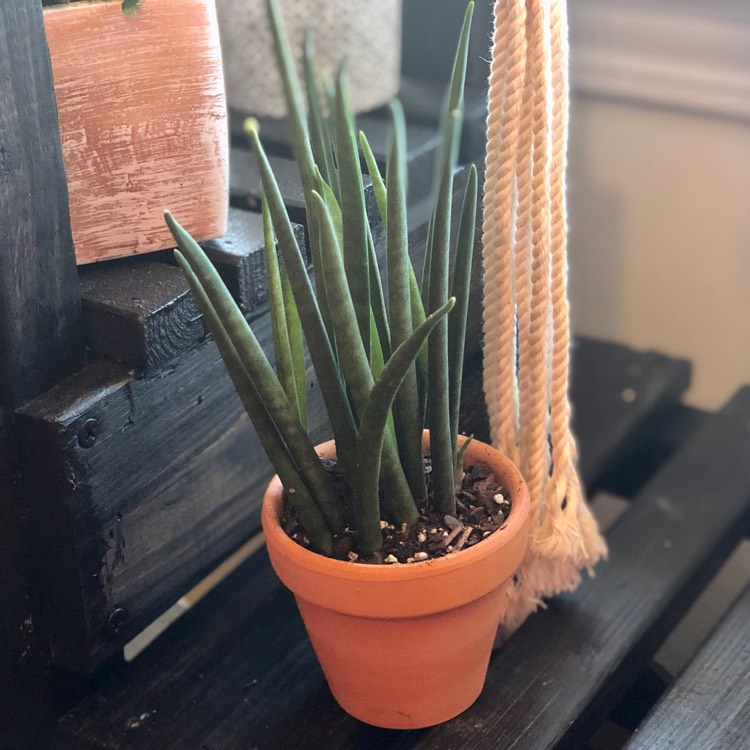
(257, 682)
(238, 256)
(139, 312)
(642, 389)
(564, 667)
(709, 705)
(40, 335)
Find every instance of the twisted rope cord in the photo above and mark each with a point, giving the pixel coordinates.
(522, 246)
(552, 537)
(525, 228)
(534, 378)
(507, 81)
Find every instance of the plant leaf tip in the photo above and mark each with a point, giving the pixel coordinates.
(251, 126)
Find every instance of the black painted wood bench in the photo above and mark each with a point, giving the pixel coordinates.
(140, 474)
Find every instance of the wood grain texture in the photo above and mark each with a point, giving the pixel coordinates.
(256, 682)
(238, 257)
(139, 312)
(41, 338)
(709, 705)
(143, 122)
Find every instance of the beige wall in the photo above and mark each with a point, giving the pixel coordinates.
(660, 236)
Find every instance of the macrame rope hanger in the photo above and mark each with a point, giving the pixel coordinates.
(526, 315)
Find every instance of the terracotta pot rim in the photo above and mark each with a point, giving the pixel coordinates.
(345, 570)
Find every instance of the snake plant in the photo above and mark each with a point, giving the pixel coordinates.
(381, 379)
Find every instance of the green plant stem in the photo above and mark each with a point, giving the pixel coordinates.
(378, 299)
(356, 257)
(296, 345)
(378, 186)
(321, 144)
(370, 442)
(442, 442)
(356, 366)
(407, 418)
(299, 494)
(318, 343)
(293, 91)
(282, 350)
(460, 289)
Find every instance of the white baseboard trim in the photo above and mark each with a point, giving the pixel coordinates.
(671, 54)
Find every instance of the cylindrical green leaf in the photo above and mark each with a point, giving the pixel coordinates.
(460, 289)
(269, 389)
(370, 442)
(298, 492)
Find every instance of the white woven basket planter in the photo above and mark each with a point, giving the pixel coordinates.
(367, 33)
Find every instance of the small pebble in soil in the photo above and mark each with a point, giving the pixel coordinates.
(482, 507)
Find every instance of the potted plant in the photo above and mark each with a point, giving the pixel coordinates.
(400, 564)
(142, 114)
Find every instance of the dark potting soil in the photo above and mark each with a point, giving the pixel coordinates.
(482, 506)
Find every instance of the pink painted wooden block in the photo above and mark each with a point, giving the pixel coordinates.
(143, 122)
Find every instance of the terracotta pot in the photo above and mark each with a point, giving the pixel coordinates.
(143, 122)
(405, 646)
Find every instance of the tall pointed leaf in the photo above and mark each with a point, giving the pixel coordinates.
(442, 442)
(372, 431)
(299, 494)
(460, 287)
(318, 344)
(282, 350)
(296, 345)
(356, 366)
(264, 378)
(378, 186)
(407, 417)
(321, 144)
(356, 258)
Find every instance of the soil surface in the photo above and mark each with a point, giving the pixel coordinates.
(482, 506)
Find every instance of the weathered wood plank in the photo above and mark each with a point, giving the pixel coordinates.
(709, 705)
(143, 122)
(238, 256)
(613, 422)
(41, 338)
(265, 690)
(139, 312)
(571, 661)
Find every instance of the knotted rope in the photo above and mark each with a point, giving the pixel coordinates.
(526, 315)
